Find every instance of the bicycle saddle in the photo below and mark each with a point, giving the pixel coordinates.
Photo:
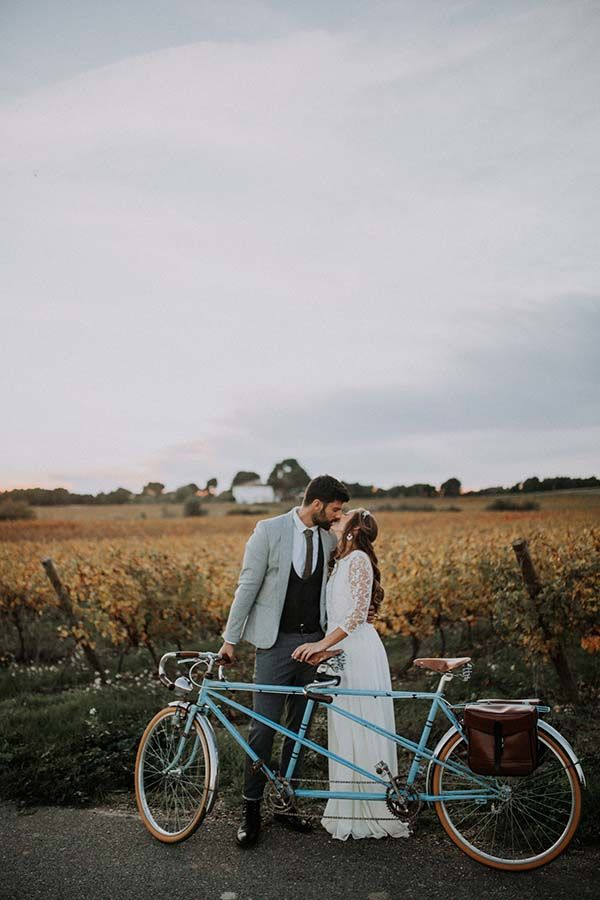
(442, 663)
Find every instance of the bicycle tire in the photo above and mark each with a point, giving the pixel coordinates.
(553, 822)
(172, 803)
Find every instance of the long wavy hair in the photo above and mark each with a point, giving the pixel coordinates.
(364, 539)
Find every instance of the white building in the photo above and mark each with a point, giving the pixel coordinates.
(253, 492)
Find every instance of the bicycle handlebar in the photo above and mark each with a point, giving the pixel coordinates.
(181, 656)
(311, 691)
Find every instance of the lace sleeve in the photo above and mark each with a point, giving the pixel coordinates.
(360, 578)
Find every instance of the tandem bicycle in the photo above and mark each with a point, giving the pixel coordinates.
(509, 823)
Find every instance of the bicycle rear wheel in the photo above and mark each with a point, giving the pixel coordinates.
(172, 790)
(531, 826)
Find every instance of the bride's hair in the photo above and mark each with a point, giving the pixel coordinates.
(362, 540)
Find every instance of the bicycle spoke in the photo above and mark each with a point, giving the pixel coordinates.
(527, 818)
(536, 818)
(172, 794)
(542, 808)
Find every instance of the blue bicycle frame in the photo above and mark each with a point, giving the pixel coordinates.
(213, 694)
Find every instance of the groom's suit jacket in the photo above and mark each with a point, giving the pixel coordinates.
(260, 595)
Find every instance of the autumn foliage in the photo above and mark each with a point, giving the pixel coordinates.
(169, 584)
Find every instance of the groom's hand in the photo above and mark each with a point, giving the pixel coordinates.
(227, 654)
(372, 614)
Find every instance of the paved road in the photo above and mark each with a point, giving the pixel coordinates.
(102, 854)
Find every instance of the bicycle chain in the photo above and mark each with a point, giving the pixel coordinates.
(314, 816)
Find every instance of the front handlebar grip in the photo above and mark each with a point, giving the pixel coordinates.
(319, 698)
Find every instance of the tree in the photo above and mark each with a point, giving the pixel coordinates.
(120, 495)
(244, 478)
(421, 490)
(185, 491)
(288, 478)
(211, 486)
(153, 489)
(397, 490)
(451, 488)
(357, 490)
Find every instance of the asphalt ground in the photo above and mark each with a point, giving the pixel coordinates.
(59, 853)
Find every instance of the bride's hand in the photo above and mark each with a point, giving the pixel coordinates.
(305, 652)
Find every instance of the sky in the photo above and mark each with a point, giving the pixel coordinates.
(361, 234)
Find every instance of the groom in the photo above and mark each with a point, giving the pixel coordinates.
(279, 604)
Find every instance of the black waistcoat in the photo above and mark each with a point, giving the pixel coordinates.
(302, 607)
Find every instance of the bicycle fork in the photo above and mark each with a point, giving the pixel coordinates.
(174, 764)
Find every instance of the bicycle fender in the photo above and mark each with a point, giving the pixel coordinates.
(542, 726)
(213, 753)
(565, 745)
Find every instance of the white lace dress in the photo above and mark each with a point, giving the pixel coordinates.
(365, 666)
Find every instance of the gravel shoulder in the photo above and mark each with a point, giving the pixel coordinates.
(58, 853)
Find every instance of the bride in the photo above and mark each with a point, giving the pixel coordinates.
(353, 585)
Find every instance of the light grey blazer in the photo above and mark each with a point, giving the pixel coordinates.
(260, 595)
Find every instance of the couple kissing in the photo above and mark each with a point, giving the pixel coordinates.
(309, 587)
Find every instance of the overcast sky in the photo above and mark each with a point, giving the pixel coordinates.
(363, 234)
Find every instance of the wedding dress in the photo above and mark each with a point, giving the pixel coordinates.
(365, 666)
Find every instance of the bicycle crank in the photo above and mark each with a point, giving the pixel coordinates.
(279, 796)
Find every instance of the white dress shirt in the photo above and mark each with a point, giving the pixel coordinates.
(299, 548)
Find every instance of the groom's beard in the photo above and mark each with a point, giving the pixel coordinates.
(323, 523)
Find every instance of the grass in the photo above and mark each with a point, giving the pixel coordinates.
(503, 505)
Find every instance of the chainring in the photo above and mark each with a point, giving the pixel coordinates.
(407, 810)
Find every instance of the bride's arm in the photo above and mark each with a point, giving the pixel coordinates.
(360, 581)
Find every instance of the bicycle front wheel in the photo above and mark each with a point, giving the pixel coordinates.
(533, 822)
(172, 777)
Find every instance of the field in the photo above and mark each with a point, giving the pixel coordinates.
(140, 585)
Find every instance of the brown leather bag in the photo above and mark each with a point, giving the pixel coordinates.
(502, 738)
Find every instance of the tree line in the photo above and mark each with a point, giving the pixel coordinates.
(288, 479)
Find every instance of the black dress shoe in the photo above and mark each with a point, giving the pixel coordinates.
(294, 821)
(247, 833)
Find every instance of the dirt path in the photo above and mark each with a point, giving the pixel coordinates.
(60, 854)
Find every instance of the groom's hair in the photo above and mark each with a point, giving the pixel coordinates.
(325, 488)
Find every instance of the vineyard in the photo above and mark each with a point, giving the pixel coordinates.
(129, 590)
(445, 577)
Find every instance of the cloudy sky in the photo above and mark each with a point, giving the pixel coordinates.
(364, 234)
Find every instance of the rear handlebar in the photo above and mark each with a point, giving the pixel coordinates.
(312, 691)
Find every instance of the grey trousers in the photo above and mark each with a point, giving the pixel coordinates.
(276, 666)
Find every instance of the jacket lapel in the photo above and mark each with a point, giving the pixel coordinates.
(286, 549)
